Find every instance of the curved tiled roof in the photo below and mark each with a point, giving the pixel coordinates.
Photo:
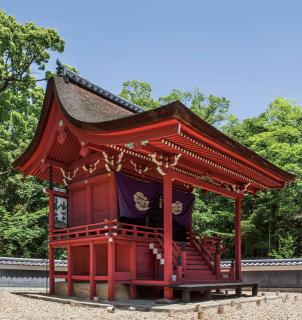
(266, 262)
(225, 263)
(29, 262)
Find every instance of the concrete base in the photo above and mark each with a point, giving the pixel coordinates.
(81, 290)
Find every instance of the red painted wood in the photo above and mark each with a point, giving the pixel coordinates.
(92, 268)
(204, 185)
(89, 200)
(94, 198)
(101, 253)
(122, 257)
(103, 207)
(49, 136)
(111, 269)
(113, 197)
(80, 259)
(133, 269)
(145, 262)
(168, 230)
(70, 270)
(226, 151)
(51, 270)
(79, 207)
(238, 239)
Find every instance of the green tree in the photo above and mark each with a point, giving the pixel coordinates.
(272, 219)
(139, 93)
(24, 52)
(22, 47)
(211, 108)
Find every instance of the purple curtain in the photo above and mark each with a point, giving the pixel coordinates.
(182, 206)
(136, 198)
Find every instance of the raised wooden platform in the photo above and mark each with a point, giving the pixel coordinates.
(207, 288)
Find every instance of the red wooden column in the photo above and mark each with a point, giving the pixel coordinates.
(69, 270)
(111, 269)
(50, 248)
(133, 270)
(51, 270)
(168, 226)
(89, 205)
(92, 290)
(238, 238)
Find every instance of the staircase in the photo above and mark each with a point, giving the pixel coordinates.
(158, 252)
(196, 267)
(195, 260)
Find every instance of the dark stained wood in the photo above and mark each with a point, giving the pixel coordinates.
(187, 288)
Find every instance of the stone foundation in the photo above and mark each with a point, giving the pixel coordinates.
(81, 290)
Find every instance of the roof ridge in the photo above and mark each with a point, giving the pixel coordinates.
(69, 75)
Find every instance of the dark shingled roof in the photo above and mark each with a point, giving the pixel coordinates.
(86, 106)
(91, 107)
(69, 75)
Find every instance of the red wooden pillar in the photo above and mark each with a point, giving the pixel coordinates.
(51, 250)
(69, 270)
(238, 238)
(133, 270)
(111, 269)
(51, 270)
(168, 231)
(92, 290)
(89, 205)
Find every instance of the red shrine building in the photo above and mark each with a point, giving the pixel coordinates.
(124, 215)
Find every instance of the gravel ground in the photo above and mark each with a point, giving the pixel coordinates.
(14, 306)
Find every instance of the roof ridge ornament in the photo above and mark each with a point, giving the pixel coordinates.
(69, 75)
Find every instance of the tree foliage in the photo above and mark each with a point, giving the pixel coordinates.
(211, 108)
(24, 52)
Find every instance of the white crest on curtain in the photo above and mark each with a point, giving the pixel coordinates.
(141, 201)
(177, 207)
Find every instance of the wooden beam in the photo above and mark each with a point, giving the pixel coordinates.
(204, 185)
(57, 164)
(194, 166)
(135, 135)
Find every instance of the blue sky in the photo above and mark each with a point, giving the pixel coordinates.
(247, 51)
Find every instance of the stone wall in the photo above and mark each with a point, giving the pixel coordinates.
(275, 279)
(23, 278)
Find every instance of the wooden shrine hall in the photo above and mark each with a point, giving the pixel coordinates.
(121, 183)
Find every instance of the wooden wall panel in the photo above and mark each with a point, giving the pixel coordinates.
(80, 258)
(78, 207)
(101, 256)
(123, 255)
(145, 262)
(100, 201)
(92, 200)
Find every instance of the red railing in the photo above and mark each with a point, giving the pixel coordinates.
(210, 248)
(109, 228)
